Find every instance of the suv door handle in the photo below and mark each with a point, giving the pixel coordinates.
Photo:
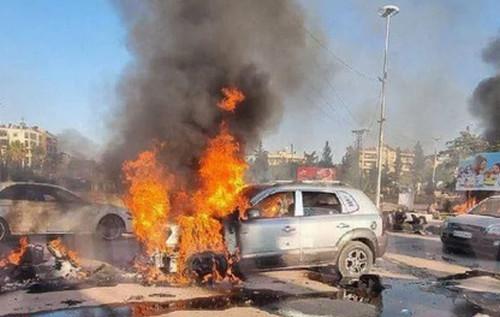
(342, 225)
(288, 229)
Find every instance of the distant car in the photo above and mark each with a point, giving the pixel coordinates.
(306, 225)
(36, 208)
(478, 231)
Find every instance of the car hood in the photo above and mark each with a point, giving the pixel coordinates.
(474, 220)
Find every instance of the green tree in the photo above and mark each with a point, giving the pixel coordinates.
(466, 144)
(418, 164)
(349, 167)
(311, 159)
(398, 165)
(260, 167)
(16, 154)
(326, 156)
(388, 182)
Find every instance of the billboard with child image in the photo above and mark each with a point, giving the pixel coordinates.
(479, 172)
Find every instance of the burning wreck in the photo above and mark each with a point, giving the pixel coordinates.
(195, 97)
(209, 238)
(220, 193)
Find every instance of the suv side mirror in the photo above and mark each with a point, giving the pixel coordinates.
(253, 214)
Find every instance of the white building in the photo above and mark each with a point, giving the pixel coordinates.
(30, 138)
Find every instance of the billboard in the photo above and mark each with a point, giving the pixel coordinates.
(479, 172)
(314, 173)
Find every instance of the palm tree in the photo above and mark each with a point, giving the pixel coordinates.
(16, 154)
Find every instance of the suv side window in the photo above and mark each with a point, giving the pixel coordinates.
(319, 204)
(278, 205)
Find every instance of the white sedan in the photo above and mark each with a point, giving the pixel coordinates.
(36, 208)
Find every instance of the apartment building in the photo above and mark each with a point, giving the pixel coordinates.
(368, 159)
(31, 138)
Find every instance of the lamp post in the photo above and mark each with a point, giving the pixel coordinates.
(434, 164)
(386, 12)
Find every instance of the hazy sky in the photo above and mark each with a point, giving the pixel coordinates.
(60, 61)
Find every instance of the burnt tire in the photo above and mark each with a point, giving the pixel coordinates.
(202, 266)
(355, 259)
(4, 230)
(110, 227)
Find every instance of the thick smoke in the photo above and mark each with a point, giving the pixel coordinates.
(486, 98)
(184, 52)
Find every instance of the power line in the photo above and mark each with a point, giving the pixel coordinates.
(326, 113)
(336, 57)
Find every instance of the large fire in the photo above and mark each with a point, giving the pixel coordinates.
(15, 256)
(218, 193)
(221, 173)
(147, 199)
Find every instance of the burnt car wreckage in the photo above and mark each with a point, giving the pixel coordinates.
(317, 225)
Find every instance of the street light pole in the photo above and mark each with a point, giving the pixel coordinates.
(386, 12)
(434, 165)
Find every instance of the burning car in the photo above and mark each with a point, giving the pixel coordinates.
(477, 231)
(37, 208)
(298, 225)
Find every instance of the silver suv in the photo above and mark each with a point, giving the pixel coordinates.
(307, 225)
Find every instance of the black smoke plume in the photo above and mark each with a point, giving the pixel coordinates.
(486, 98)
(183, 53)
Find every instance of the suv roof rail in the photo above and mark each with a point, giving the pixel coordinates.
(312, 182)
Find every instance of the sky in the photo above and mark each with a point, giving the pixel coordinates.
(60, 62)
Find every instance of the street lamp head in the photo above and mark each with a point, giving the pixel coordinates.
(388, 11)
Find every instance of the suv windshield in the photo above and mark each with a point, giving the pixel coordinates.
(490, 207)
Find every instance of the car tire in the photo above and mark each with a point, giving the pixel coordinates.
(355, 259)
(110, 227)
(4, 230)
(447, 249)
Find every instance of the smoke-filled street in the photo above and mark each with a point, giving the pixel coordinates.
(250, 158)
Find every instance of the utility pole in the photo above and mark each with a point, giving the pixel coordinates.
(434, 165)
(359, 149)
(386, 12)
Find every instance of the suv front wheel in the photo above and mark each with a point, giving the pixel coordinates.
(355, 259)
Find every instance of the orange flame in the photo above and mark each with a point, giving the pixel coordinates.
(465, 206)
(15, 256)
(232, 97)
(222, 171)
(58, 245)
(219, 193)
(271, 207)
(199, 233)
(147, 200)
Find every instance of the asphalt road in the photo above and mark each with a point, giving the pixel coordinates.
(408, 271)
(430, 247)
